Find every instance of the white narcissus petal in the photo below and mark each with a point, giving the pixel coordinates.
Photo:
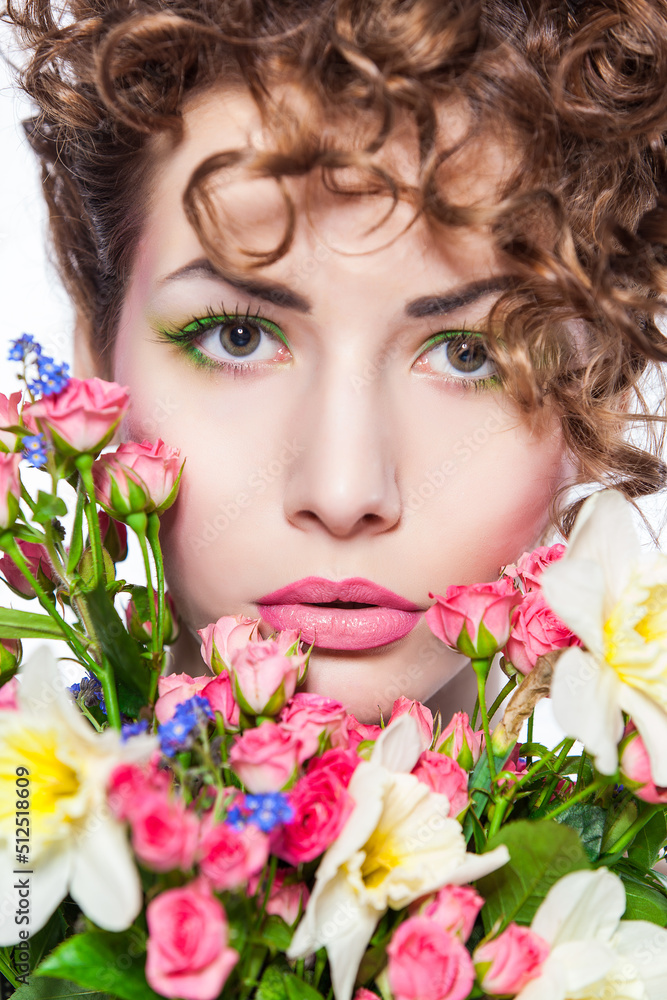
(643, 946)
(47, 887)
(609, 539)
(584, 696)
(399, 746)
(651, 721)
(105, 882)
(584, 905)
(575, 590)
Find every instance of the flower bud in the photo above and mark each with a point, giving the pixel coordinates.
(474, 619)
(114, 537)
(9, 417)
(37, 559)
(138, 617)
(508, 962)
(10, 657)
(264, 677)
(137, 478)
(636, 769)
(80, 419)
(224, 638)
(459, 742)
(10, 488)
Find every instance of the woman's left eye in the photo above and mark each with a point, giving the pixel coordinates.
(459, 355)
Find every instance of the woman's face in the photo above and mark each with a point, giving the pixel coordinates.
(336, 428)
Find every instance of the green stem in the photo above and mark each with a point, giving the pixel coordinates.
(551, 783)
(141, 535)
(84, 465)
(8, 972)
(481, 668)
(153, 535)
(108, 682)
(475, 713)
(54, 555)
(529, 735)
(28, 499)
(69, 634)
(580, 770)
(511, 684)
(577, 797)
(626, 839)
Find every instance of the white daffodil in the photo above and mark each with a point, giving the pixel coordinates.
(75, 844)
(398, 844)
(616, 602)
(594, 954)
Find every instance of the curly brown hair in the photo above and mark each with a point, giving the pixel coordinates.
(579, 87)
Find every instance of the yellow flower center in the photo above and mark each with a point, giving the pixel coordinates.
(635, 639)
(381, 859)
(53, 785)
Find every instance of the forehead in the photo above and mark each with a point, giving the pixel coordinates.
(473, 172)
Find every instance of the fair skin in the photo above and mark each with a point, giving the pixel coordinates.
(351, 449)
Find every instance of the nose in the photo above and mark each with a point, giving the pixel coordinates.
(344, 481)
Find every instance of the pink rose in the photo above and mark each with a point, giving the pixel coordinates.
(164, 833)
(364, 994)
(474, 619)
(81, 418)
(39, 564)
(174, 689)
(459, 742)
(265, 758)
(10, 488)
(218, 693)
(228, 857)
(225, 637)
(636, 769)
(536, 630)
(264, 678)
(342, 763)
(508, 962)
(114, 537)
(129, 785)
(288, 897)
(515, 765)
(428, 963)
(358, 732)
(321, 806)
(9, 417)
(531, 565)
(187, 951)
(137, 477)
(314, 718)
(420, 713)
(445, 776)
(8, 695)
(455, 909)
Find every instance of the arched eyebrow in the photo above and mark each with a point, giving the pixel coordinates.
(280, 295)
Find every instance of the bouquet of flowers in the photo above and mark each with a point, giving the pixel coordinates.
(231, 835)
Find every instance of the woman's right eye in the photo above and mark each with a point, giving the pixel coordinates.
(237, 342)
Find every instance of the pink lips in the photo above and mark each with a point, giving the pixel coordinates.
(291, 607)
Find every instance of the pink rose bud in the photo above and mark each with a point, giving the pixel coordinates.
(137, 477)
(9, 694)
(636, 769)
(9, 417)
(455, 908)
(509, 962)
(343, 763)
(225, 637)
(264, 678)
(220, 696)
(39, 564)
(164, 833)
(536, 630)
(114, 537)
(174, 689)
(420, 713)
(187, 954)
(364, 994)
(288, 897)
(531, 565)
(445, 776)
(82, 418)
(137, 616)
(228, 858)
(266, 758)
(10, 488)
(321, 806)
(316, 720)
(129, 785)
(359, 732)
(474, 619)
(459, 742)
(426, 962)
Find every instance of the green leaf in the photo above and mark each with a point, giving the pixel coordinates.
(46, 939)
(619, 819)
(27, 625)
(55, 989)
(644, 902)
(275, 933)
(645, 848)
(272, 985)
(588, 820)
(47, 507)
(540, 854)
(297, 989)
(101, 958)
(117, 645)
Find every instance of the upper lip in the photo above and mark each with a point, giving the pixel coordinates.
(318, 590)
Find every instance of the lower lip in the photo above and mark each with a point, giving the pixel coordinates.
(341, 628)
